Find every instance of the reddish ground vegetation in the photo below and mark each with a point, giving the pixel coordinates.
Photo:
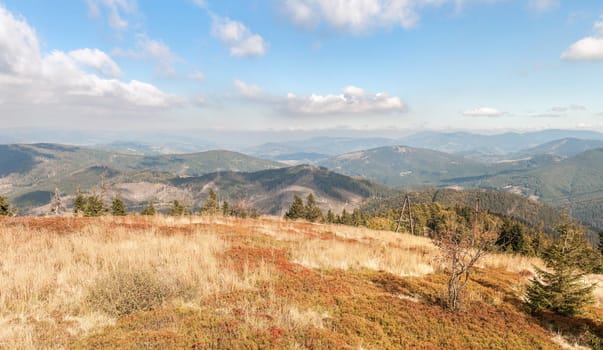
(305, 308)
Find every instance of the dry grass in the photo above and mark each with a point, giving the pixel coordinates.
(135, 282)
(47, 275)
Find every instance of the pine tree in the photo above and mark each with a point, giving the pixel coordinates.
(177, 209)
(357, 219)
(5, 207)
(330, 217)
(211, 206)
(562, 290)
(94, 206)
(312, 211)
(118, 207)
(601, 242)
(511, 237)
(148, 210)
(225, 209)
(79, 203)
(297, 210)
(346, 218)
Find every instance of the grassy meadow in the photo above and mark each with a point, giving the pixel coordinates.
(228, 283)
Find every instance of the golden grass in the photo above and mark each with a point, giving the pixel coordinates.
(258, 276)
(46, 273)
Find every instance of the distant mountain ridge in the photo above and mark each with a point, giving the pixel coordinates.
(404, 166)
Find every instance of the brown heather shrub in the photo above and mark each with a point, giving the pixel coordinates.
(123, 291)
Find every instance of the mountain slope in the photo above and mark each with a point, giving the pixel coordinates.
(42, 166)
(404, 166)
(329, 146)
(567, 147)
(573, 183)
(498, 144)
(272, 191)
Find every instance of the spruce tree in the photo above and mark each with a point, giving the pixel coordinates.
(5, 207)
(357, 219)
(346, 218)
(94, 206)
(177, 209)
(225, 209)
(562, 290)
(511, 237)
(118, 207)
(601, 242)
(211, 206)
(297, 210)
(148, 210)
(312, 211)
(330, 217)
(79, 203)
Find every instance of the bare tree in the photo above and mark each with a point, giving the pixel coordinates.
(462, 247)
(56, 204)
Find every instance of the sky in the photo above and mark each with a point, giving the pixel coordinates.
(483, 65)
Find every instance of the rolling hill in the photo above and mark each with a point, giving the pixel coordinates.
(567, 147)
(39, 168)
(496, 144)
(573, 184)
(271, 191)
(405, 166)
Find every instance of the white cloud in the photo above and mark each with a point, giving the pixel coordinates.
(197, 75)
(155, 50)
(543, 5)
(570, 108)
(301, 12)
(587, 49)
(201, 3)
(116, 11)
(482, 112)
(353, 100)
(28, 77)
(98, 60)
(240, 40)
(247, 90)
(358, 15)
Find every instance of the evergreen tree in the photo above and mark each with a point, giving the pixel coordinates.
(225, 209)
(118, 207)
(562, 290)
(357, 219)
(94, 206)
(511, 237)
(5, 207)
(346, 218)
(148, 210)
(211, 206)
(79, 203)
(601, 242)
(330, 217)
(297, 210)
(312, 211)
(254, 214)
(177, 209)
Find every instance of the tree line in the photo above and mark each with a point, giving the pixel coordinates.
(464, 235)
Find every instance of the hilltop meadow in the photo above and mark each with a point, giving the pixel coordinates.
(212, 282)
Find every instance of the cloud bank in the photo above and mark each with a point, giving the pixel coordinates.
(28, 76)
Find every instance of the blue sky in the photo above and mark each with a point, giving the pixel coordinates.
(302, 64)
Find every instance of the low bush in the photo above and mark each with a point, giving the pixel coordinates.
(125, 291)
